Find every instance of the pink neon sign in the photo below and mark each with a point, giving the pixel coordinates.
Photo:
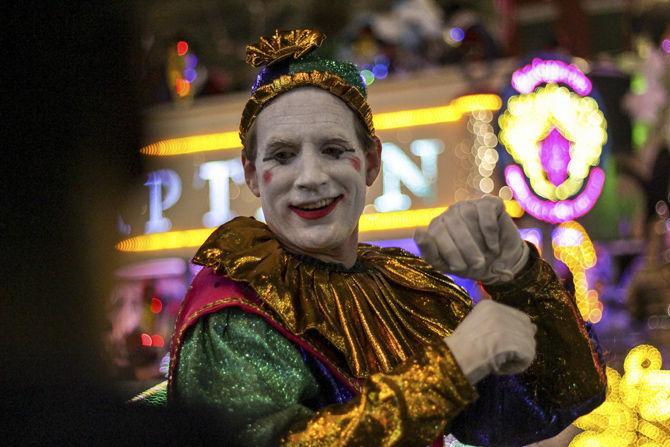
(554, 150)
(555, 156)
(525, 79)
(554, 212)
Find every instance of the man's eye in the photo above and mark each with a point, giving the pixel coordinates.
(334, 151)
(281, 157)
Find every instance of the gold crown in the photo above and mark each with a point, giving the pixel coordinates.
(283, 44)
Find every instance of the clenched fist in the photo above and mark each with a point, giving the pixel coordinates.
(474, 239)
(493, 339)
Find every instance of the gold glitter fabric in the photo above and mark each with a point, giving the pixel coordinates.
(383, 320)
(376, 315)
(322, 79)
(294, 43)
(409, 406)
(288, 64)
(567, 370)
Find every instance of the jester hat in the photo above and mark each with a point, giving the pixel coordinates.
(288, 62)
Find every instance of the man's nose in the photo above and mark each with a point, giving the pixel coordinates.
(313, 172)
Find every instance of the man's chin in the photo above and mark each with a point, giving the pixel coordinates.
(316, 243)
(320, 228)
(320, 241)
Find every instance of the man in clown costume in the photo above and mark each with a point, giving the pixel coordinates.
(295, 334)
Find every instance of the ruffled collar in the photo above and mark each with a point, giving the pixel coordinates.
(358, 266)
(376, 314)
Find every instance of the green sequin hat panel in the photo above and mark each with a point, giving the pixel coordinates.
(345, 70)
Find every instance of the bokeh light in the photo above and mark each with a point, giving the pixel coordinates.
(573, 247)
(182, 48)
(368, 77)
(665, 45)
(457, 34)
(636, 411)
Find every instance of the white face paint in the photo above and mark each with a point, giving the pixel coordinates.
(310, 173)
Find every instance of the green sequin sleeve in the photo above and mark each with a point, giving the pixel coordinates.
(257, 387)
(253, 379)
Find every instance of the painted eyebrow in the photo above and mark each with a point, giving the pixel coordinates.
(281, 144)
(336, 140)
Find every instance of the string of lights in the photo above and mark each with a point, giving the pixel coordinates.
(573, 247)
(483, 150)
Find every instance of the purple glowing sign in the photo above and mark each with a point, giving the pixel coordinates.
(554, 212)
(555, 156)
(525, 79)
(555, 152)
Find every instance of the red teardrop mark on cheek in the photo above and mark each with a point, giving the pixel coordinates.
(267, 177)
(356, 163)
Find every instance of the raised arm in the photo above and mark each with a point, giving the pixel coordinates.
(566, 380)
(477, 239)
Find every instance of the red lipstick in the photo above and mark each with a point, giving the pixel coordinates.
(317, 213)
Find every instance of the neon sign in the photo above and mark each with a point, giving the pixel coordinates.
(572, 245)
(525, 79)
(164, 179)
(398, 168)
(219, 174)
(555, 137)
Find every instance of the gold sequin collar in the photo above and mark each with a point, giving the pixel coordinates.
(375, 314)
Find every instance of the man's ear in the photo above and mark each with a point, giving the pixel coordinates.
(251, 175)
(373, 165)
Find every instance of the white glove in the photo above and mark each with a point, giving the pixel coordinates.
(493, 339)
(474, 239)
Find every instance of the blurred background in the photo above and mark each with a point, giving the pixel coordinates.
(123, 156)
